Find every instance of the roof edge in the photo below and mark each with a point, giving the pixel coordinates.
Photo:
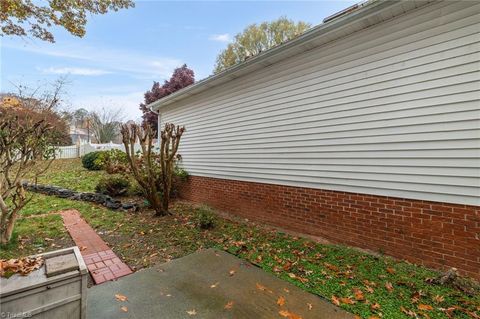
(363, 11)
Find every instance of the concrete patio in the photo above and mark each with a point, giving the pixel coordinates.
(206, 284)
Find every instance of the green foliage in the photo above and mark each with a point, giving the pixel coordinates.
(258, 38)
(113, 186)
(36, 18)
(204, 218)
(112, 161)
(181, 173)
(89, 161)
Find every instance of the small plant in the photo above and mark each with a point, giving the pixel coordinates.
(205, 218)
(181, 173)
(88, 161)
(113, 186)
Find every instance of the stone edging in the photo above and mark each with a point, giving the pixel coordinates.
(97, 198)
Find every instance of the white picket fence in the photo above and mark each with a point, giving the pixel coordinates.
(75, 151)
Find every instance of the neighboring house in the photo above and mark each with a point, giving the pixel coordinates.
(80, 135)
(365, 131)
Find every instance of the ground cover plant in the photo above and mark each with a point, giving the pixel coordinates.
(367, 285)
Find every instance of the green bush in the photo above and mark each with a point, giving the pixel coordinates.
(113, 186)
(112, 161)
(89, 161)
(205, 218)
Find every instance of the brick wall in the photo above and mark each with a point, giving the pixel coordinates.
(429, 233)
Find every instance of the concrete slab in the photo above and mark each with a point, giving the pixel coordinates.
(60, 264)
(202, 285)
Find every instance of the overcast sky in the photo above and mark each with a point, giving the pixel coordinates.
(124, 52)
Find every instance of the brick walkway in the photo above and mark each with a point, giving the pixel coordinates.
(101, 261)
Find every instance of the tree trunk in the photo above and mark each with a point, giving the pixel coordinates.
(7, 232)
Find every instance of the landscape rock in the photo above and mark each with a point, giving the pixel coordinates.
(101, 199)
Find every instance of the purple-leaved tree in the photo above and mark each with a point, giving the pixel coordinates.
(181, 77)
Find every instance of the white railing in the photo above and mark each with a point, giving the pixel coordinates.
(75, 151)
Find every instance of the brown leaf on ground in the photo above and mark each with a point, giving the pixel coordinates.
(301, 279)
(335, 300)
(192, 312)
(214, 285)
(425, 307)
(83, 248)
(281, 301)
(389, 286)
(439, 299)
(288, 314)
(22, 266)
(408, 312)
(369, 289)
(263, 288)
(229, 305)
(124, 309)
(121, 297)
(347, 301)
(331, 267)
(375, 306)
(231, 272)
(390, 270)
(358, 294)
(310, 306)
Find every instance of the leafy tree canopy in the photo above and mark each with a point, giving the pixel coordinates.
(23, 17)
(181, 77)
(257, 38)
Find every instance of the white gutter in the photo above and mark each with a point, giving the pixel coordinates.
(364, 11)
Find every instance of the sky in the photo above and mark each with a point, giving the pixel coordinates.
(123, 52)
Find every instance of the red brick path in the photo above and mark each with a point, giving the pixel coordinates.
(430, 233)
(101, 261)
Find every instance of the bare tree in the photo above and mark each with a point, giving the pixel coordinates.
(105, 124)
(25, 148)
(153, 171)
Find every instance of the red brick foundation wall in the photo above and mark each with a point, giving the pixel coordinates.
(429, 233)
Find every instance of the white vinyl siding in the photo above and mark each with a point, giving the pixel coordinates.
(391, 110)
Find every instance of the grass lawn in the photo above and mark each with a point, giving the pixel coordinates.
(366, 285)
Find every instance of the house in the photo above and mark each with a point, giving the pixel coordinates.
(365, 130)
(80, 135)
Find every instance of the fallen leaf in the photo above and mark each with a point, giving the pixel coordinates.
(390, 270)
(229, 305)
(359, 294)
(348, 301)
(214, 285)
(408, 312)
(389, 286)
(310, 306)
(83, 248)
(263, 288)
(192, 312)
(286, 290)
(124, 309)
(289, 315)
(425, 307)
(438, 299)
(231, 272)
(121, 297)
(375, 306)
(335, 300)
(281, 301)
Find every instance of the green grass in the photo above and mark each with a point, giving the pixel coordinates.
(326, 270)
(69, 173)
(35, 235)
